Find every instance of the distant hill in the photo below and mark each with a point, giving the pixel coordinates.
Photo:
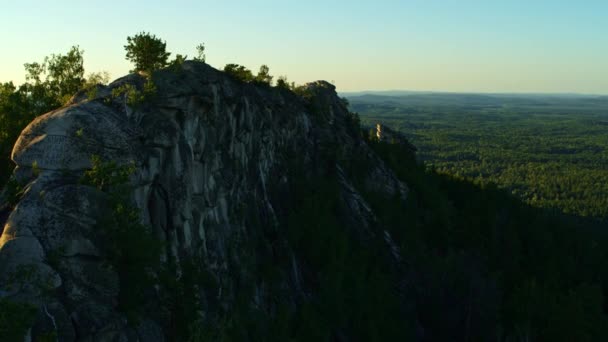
(556, 102)
(422, 92)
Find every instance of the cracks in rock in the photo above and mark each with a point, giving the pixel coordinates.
(87, 257)
(163, 208)
(160, 213)
(75, 328)
(5, 212)
(75, 217)
(52, 318)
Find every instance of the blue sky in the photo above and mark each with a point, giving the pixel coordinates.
(485, 46)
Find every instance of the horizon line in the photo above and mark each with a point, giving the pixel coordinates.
(563, 93)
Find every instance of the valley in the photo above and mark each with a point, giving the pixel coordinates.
(549, 150)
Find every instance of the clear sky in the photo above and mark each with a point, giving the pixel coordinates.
(447, 45)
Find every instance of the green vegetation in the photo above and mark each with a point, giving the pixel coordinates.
(177, 62)
(239, 72)
(147, 52)
(13, 191)
(95, 79)
(105, 175)
(57, 78)
(348, 283)
(282, 82)
(263, 76)
(200, 53)
(243, 74)
(474, 263)
(16, 317)
(480, 265)
(133, 96)
(15, 320)
(352, 279)
(550, 151)
(49, 85)
(132, 250)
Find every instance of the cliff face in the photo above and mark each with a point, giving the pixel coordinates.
(213, 166)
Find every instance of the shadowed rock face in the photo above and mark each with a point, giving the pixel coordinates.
(206, 148)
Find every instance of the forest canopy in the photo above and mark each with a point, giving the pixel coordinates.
(551, 151)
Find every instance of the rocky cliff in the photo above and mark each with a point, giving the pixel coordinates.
(212, 169)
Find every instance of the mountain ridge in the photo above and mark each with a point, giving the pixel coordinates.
(206, 154)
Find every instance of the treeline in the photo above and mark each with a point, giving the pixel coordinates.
(263, 76)
(51, 83)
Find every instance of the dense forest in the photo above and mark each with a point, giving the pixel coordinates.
(549, 150)
(486, 266)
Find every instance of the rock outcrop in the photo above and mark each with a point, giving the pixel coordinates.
(388, 135)
(208, 153)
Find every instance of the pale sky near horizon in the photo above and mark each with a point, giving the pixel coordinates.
(429, 45)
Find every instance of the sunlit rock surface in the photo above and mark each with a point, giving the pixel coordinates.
(205, 147)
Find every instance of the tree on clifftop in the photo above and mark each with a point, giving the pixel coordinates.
(239, 72)
(264, 75)
(52, 83)
(200, 53)
(147, 52)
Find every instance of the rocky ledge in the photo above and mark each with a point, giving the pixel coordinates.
(205, 154)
